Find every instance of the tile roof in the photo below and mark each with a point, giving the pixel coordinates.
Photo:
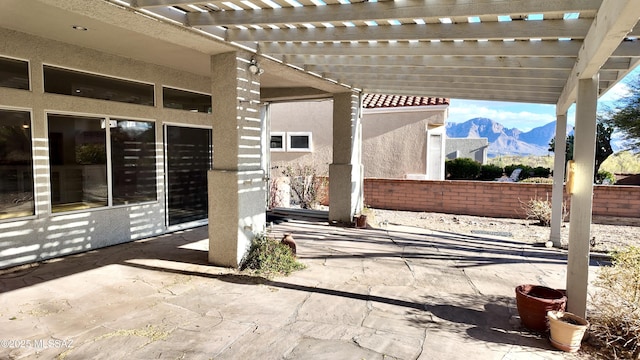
(372, 101)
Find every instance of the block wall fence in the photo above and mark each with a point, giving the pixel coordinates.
(487, 198)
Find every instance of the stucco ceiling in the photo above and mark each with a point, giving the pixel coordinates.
(509, 50)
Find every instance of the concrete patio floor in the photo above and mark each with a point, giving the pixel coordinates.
(393, 293)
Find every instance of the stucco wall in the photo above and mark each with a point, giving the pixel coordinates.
(394, 142)
(304, 116)
(47, 235)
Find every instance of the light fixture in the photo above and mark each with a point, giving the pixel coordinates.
(254, 68)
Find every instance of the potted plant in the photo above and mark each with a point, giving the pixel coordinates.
(534, 301)
(567, 330)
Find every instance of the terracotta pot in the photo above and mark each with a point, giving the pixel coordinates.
(534, 302)
(361, 221)
(567, 330)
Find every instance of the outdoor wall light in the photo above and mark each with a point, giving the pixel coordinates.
(571, 176)
(254, 68)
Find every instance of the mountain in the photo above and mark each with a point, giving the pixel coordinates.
(503, 141)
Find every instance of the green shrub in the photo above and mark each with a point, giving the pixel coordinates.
(490, 172)
(268, 257)
(541, 172)
(605, 177)
(462, 169)
(615, 319)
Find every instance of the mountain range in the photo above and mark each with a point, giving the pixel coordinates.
(505, 141)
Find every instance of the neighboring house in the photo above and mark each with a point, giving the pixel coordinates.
(402, 136)
(475, 149)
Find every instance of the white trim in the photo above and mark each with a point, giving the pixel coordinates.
(284, 141)
(299, 133)
(426, 108)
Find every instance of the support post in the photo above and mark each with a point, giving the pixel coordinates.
(345, 173)
(581, 199)
(237, 186)
(557, 197)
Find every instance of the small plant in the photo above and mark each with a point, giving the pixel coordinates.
(615, 319)
(605, 177)
(268, 257)
(308, 187)
(540, 210)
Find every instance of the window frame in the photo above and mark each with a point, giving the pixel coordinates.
(100, 75)
(283, 135)
(107, 119)
(164, 106)
(28, 72)
(33, 166)
(308, 134)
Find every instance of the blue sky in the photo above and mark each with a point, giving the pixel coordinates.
(525, 116)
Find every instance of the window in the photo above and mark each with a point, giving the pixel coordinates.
(277, 141)
(133, 161)
(79, 161)
(16, 165)
(186, 100)
(76, 83)
(77, 153)
(14, 74)
(299, 141)
(188, 162)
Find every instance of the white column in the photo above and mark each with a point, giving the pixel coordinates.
(557, 196)
(581, 200)
(345, 173)
(237, 187)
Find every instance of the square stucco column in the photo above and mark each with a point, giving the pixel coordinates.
(584, 152)
(345, 173)
(237, 186)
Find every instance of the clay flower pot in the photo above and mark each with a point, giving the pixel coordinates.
(361, 221)
(567, 330)
(534, 302)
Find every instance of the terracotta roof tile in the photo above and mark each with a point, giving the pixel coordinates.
(372, 101)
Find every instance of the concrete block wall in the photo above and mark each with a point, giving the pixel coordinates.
(492, 199)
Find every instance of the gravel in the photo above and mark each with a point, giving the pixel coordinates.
(607, 233)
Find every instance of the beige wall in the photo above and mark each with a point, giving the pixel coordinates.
(304, 116)
(394, 141)
(47, 235)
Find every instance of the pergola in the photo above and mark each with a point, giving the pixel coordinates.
(544, 51)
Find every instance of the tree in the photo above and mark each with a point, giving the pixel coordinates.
(626, 117)
(603, 144)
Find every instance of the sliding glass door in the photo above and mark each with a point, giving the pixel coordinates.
(188, 160)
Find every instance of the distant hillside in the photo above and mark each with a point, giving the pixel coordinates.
(505, 141)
